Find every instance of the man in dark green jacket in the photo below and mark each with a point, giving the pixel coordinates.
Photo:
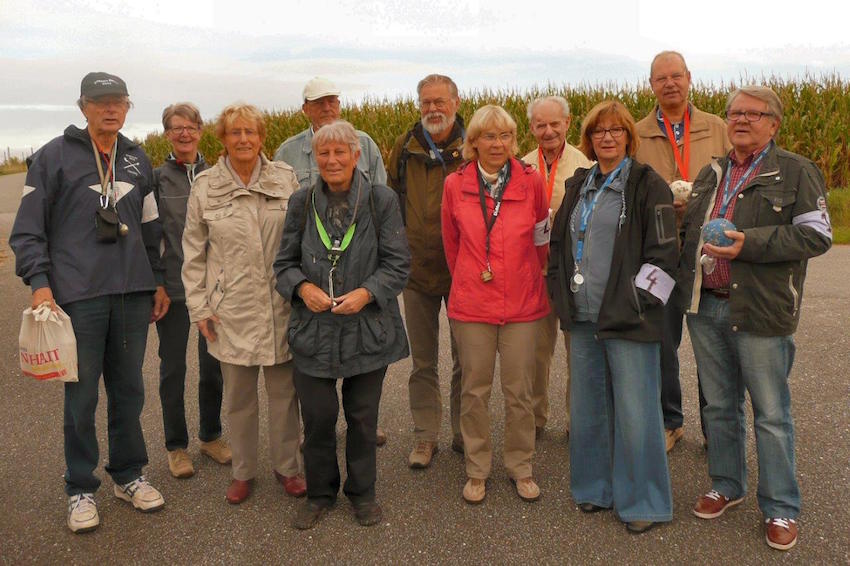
(419, 163)
(744, 304)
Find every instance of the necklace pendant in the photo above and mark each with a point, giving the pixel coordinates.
(123, 229)
(486, 276)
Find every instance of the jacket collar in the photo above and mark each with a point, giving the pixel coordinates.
(649, 126)
(72, 132)
(514, 190)
(221, 182)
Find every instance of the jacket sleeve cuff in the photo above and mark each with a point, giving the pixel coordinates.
(39, 281)
(655, 281)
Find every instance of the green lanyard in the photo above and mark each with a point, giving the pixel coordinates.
(336, 248)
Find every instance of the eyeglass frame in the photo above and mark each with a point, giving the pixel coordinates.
(598, 134)
(746, 114)
(192, 130)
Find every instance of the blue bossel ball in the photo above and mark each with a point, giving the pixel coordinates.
(713, 234)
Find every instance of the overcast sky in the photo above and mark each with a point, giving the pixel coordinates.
(214, 52)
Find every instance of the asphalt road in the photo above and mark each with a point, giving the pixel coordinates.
(425, 519)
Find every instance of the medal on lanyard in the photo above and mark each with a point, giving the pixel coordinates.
(487, 274)
(585, 212)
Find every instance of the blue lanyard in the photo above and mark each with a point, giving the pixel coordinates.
(729, 195)
(437, 153)
(587, 211)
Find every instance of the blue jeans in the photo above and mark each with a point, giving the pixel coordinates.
(617, 446)
(730, 362)
(111, 336)
(173, 330)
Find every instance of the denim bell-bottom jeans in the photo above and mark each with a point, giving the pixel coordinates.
(617, 446)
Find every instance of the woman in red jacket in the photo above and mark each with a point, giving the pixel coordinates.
(496, 238)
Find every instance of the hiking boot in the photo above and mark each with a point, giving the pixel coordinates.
(82, 513)
(141, 494)
(421, 455)
(781, 534)
(179, 464)
(218, 450)
(713, 504)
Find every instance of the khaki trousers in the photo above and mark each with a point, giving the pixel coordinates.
(546, 338)
(478, 345)
(242, 409)
(422, 317)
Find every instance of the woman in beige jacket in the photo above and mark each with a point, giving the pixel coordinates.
(234, 223)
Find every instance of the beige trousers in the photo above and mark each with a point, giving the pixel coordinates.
(422, 318)
(242, 409)
(478, 345)
(546, 338)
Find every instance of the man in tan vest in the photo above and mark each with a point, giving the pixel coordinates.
(556, 160)
(677, 139)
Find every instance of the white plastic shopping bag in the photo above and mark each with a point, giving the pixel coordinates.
(48, 345)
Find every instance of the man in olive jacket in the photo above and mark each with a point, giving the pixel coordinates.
(419, 163)
(744, 304)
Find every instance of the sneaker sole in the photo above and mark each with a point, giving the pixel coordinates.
(731, 503)
(124, 497)
(86, 529)
(182, 475)
(778, 546)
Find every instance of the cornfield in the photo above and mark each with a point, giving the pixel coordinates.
(816, 122)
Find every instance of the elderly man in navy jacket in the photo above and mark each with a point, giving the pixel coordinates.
(86, 237)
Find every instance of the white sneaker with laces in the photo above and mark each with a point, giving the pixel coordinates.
(82, 513)
(141, 494)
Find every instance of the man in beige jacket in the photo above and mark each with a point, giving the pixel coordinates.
(677, 139)
(556, 160)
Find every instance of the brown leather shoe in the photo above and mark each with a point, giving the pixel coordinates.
(218, 450)
(638, 527)
(295, 485)
(238, 491)
(179, 464)
(380, 437)
(672, 436)
(781, 533)
(422, 454)
(475, 490)
(713, 504)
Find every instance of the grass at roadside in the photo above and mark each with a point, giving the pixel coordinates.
(12, 165)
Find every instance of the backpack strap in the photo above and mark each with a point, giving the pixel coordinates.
(402, 173)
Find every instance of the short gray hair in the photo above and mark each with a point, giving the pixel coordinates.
(559, 100)
(668, 53)
(337, 132)
(435, 79)
(763, 93)
(185, 110)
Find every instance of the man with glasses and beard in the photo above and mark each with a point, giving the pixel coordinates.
(419, 163)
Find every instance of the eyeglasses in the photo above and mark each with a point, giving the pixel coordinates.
(440, 103)
(616, 132)
(191, 130)
(504, 137)
(238, 133)
(750, 115)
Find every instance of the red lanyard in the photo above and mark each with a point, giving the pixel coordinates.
(682, 164)
(541, 166)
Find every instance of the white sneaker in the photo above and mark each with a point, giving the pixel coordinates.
(82, 513)
(141, 494)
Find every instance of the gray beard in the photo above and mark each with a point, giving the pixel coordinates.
(435, 129)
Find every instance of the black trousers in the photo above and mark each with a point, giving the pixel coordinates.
(671, 389)
(361, 395)
(173, 330)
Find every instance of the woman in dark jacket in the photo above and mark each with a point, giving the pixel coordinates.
(343, 261)
(613, 246)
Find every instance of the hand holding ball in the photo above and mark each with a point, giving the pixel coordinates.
(713, 232)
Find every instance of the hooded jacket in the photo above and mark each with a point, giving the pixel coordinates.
(54, 236)
(331, 345)
(171, 187)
